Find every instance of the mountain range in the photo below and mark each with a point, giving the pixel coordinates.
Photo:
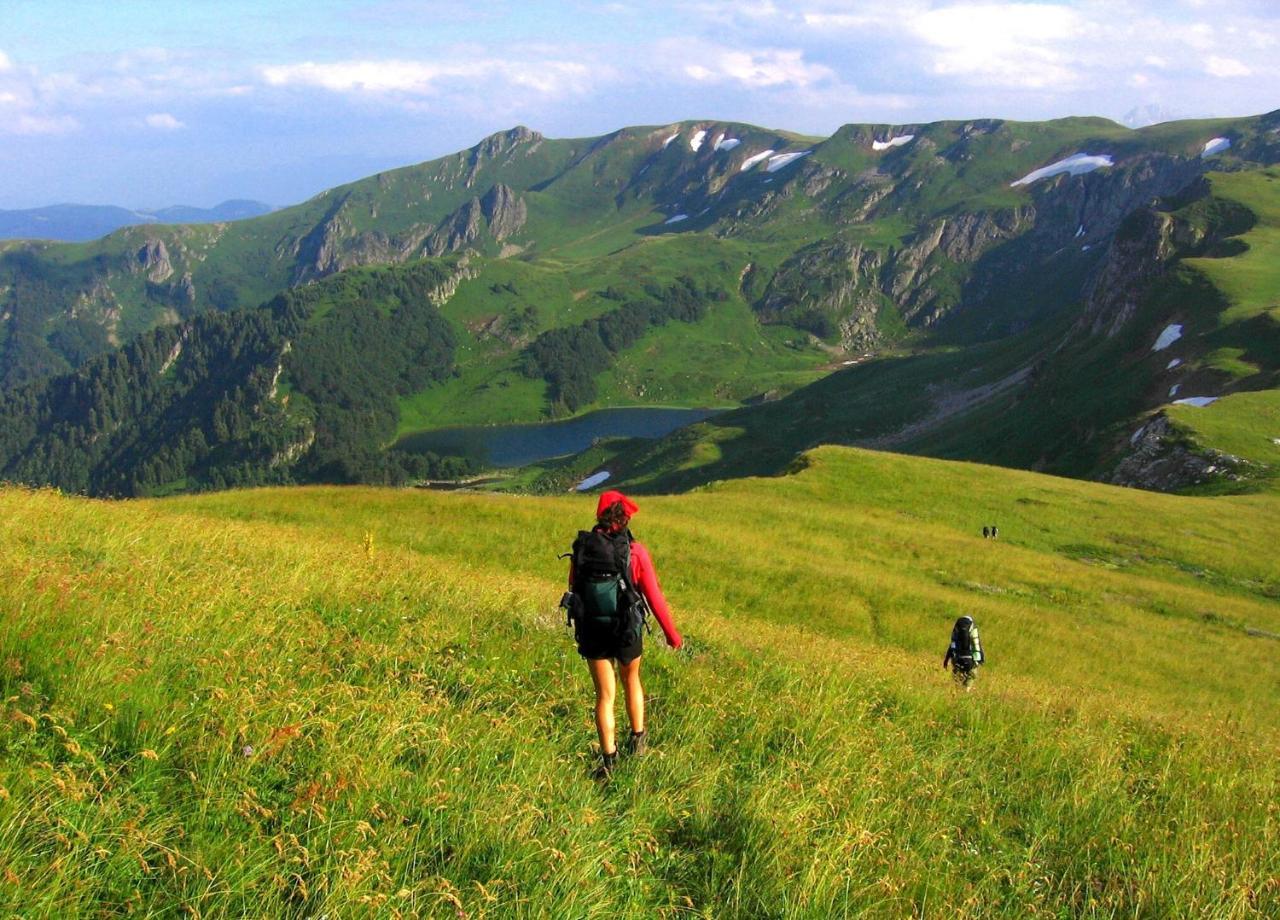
(81, 222)
(1046, 295)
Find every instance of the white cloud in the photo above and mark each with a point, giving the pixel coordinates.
(995, 25)
(840, 20)
(163, 121)
(1016, 44)
(5, 63)
(1198, 36)
(419, 78)
(1225, 67)
(707, 62)
(41, 124)
(760, 68)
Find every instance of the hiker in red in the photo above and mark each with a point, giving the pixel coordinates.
(603, 627)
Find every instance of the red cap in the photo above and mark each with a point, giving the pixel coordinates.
(607, 499)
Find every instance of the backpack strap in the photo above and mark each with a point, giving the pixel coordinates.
(631, 586)
(624, 560)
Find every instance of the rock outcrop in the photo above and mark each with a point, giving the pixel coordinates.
(333, 245)
(318, 253)
(1138, 255)
(828, 288)
(501, 211)
(1162, 459)
(504, 211)
(153, 261)
(961, 240)
(498, 146)
(456, 231)
(1085, 209)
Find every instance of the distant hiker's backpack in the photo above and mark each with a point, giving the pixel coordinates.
(603, 599)
(966, 645)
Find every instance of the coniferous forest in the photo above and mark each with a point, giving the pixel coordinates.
(301, 389)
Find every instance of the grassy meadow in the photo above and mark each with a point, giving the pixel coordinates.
(352, 702)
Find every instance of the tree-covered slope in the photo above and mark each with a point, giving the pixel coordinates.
(302, 388)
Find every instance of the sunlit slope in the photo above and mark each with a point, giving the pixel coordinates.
(1241, 348)
(723, 358)
(1069, 393)
(352, 701)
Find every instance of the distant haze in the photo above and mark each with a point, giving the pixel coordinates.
(148, 103)
(78, 222)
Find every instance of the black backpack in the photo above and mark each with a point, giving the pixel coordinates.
(966, 643)
(603, 599)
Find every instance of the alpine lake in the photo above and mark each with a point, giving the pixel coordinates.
(509, 446)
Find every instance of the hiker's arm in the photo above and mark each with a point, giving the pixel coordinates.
(646, 579)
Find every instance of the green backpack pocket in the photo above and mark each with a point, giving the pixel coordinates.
(600, 599)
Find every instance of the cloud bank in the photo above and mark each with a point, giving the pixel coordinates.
(263, 94)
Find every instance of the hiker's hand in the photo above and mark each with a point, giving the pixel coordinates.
(677, 643)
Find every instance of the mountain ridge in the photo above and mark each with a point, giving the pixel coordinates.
(82, 223)
(885, 239)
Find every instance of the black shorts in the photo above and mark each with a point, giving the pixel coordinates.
(593, 644)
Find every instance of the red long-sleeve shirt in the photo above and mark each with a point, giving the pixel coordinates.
(645, 577)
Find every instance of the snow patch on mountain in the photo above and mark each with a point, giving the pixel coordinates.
(676, 219)
(695, 142)
(1217, 145)
(783, 159)
(726, 143)
(1076, 165)
(754, 159)
(1198, 401)
(593, 480)
(1171, 334)
(893, 142)
(667, 142)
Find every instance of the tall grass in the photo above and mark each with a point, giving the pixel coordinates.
(353, 702)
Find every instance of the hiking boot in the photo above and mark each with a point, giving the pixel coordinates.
(637, 744)
(605, 769)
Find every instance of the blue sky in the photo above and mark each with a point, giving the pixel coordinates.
(146, 104)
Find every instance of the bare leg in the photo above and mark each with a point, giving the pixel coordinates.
(630, 674)
(602, 677)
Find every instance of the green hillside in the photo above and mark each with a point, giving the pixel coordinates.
(1066, 395)
(700, 264)
(353, 702)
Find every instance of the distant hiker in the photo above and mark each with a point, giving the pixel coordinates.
(995, 531)
(964, 654)
(612, 588)
(986, 532)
